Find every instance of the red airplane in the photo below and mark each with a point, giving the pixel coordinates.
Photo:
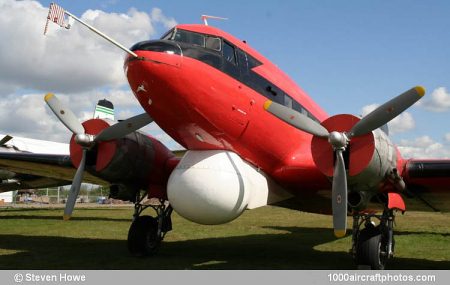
(253, 138)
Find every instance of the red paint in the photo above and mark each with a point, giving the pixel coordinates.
(361, 148)
(106, 150)
(105, 153)
(163, 164)
(395, 201)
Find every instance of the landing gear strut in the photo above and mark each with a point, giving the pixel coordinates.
(146, 232)
(374, 245)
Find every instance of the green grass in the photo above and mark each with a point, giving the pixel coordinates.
(265, 238)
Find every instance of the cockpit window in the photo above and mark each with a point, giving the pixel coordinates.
(228, 53)
(201, 40)
(213, 43)
(168, 35)
(189, 38)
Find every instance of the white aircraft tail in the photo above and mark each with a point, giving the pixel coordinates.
(104, 110)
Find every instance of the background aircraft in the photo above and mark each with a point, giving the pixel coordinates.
(214, 94)
(14, 175)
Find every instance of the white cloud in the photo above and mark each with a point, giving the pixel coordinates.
(27, 116)
(402, 123)
(157, 15)
(66, 60)
(438, 101)
(423, 147)
(125, 28)
(79, 66)
(447, 137)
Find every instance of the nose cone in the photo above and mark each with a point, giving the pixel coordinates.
(154, 73)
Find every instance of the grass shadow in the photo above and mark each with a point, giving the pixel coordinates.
(292, 250)
(57, 218)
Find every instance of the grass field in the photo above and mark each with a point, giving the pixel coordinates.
(265, 238)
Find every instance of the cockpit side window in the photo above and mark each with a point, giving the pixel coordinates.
(168, 35)
(213, 43)
(228, 53)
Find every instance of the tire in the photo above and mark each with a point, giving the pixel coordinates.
(143, 237)
(369, 249)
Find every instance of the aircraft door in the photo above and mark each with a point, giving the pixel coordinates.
(244, 73)
(234, 65)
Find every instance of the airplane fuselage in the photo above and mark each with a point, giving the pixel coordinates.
(208, 95)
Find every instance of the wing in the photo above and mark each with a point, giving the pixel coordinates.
(31, 171)
(429, 182)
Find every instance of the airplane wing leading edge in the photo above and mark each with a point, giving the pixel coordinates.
(33, 171)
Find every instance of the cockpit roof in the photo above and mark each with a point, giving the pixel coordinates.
(210, 30)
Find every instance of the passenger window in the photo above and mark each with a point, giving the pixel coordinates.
(213, 43)
(287, 101)
(299, 108)
(228, 53)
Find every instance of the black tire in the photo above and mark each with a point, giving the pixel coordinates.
(370, 248)
(143, 237)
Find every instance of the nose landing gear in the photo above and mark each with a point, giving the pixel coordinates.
(146, 232)
(373, 245)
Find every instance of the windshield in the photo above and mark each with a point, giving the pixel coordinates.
(197, 39)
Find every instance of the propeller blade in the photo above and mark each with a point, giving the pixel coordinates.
(339, 196)
(295, 119)
(75, 188)
(386, 112)
(65, 115)
(123, 128)
(5, 139)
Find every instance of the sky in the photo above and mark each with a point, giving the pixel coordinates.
(349, 56)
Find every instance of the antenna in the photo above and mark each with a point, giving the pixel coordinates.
(204, 17)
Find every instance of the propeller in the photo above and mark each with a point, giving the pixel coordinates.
(88, 141)
(5, 139)
(340, 140)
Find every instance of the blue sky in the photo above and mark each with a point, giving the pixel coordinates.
(344, 54)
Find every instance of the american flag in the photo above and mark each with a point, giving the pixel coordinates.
(56, 15)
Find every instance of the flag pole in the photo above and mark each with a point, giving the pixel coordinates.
(101, 34)
(48, 19)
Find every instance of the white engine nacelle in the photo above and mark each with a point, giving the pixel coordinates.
(215, 187)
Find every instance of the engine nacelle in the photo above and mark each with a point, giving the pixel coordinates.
(215, 187)
(135, 161)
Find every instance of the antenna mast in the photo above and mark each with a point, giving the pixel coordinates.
(205, 17)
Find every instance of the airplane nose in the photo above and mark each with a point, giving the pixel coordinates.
(158, 62)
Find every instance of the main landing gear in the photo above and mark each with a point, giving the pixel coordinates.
(373, 245)
(146, 232)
